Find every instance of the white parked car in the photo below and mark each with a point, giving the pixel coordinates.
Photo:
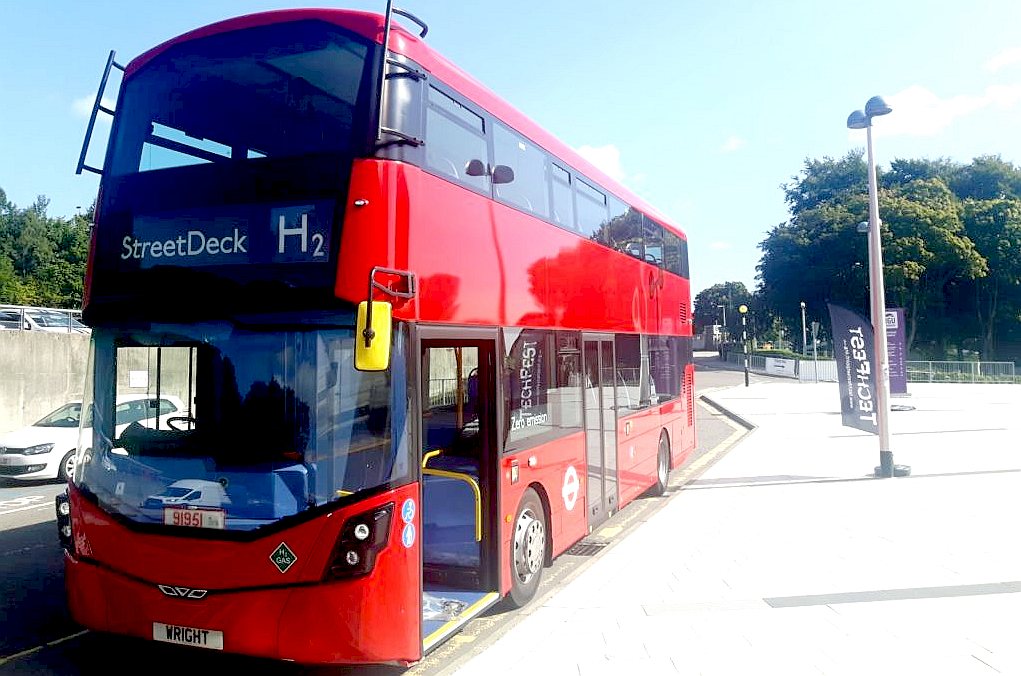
(54, 321)
(190, 493)
(40, 319)
(46, 449)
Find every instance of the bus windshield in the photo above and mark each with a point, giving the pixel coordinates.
(274, 91)
(272, 421)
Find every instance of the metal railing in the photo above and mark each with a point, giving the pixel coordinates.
(443, 391)
(32, 318)
(825, 370)
(960, 371)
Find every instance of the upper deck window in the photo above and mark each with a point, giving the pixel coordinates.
(456, 137)
(563, 198)
(528, 190)
(275, 91)
(592, 214)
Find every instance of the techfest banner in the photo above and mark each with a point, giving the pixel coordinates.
(895, 347)
(853, 348)
(527, 388)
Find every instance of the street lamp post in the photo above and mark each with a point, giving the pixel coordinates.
(815, 350)
(804, 332)
(875, 107)
(744, 339)
(723, 308)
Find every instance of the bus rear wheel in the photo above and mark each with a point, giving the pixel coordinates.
(528, 549)
(662, 465)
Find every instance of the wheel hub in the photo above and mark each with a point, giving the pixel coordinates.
(529, 545)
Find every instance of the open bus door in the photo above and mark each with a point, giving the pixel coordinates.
(460, 480)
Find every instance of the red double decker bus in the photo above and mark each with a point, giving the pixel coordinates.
(419, 347)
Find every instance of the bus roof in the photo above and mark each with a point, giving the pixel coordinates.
(371, 26)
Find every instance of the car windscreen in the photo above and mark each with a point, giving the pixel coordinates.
(275, 421)
(56, 320)
(68, 415)
(276, 91)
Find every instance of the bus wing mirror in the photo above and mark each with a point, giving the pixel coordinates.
(502, 174)
(372, 343)
(475, 168)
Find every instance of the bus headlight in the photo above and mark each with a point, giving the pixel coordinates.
(64, 532)
(361, 539)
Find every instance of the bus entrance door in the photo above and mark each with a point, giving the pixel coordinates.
(459, 537)
(600, 428)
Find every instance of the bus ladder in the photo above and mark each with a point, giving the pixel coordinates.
(96, 107)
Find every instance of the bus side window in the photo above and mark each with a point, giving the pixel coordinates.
(653, 241)
(528, 189)
(625, 227)
(592, 213)
(454, 137)
(563, 198)
(675, 253)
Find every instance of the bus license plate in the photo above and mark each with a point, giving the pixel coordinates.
(193, 636)
(194, 518)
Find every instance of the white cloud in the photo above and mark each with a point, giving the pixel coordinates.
(606, 158)
(733, 143)
(82, 107)
(719, 246)
(1007, 57)
(919, 112)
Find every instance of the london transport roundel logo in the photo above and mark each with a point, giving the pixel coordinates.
(571, 487)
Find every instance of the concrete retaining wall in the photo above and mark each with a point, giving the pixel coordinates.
(38, 372)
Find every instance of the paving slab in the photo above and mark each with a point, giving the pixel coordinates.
(786, 556)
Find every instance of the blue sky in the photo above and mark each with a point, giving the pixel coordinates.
(702, 108)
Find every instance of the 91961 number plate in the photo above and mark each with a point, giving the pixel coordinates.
(194, 518)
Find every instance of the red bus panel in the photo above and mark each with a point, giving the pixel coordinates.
(113, 581)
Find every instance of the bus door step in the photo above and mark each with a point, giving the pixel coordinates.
(445, 611)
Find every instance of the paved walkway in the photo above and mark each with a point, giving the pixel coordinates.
(785, 557)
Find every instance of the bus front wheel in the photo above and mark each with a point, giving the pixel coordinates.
(528, 549)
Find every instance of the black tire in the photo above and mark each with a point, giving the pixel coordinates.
(66, 468)
(662, 466)
(528, 549)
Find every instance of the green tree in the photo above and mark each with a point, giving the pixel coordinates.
(995, 228)
(731, 295)
(987, 178)
(902, 172)
(825, 180)
(820, 256)
(925, 252)
(42, 259)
